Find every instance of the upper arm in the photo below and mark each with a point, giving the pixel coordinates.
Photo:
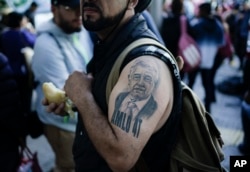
(147, 80)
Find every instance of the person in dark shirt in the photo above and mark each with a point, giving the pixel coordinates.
(105, 140)
(12, 124)
(170, 29)
(208, 32)
(13, 40)
(30, 13)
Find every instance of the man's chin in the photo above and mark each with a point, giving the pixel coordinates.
(136, 97)
(78, 29)
(72, 30)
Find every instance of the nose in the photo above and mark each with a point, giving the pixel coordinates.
(78, 11)
(141, 81)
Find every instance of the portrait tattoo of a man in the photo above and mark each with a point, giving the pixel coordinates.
(138, 103)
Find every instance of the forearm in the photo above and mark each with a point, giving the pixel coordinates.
(105, 138)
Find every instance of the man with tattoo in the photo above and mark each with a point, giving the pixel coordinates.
(140, 120)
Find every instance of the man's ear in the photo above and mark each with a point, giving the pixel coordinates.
(52, 8)
(132, 4)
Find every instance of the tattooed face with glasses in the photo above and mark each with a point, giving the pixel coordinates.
(142, 80)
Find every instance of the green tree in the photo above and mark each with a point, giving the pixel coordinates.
(2, 4)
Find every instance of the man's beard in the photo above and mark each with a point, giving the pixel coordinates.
(68, 28)
(103, 23)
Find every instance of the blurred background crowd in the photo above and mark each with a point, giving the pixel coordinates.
(219, 27)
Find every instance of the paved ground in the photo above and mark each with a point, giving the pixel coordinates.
(226, 113)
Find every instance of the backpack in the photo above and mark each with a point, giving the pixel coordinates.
(199, 142)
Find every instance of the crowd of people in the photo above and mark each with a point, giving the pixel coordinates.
(221, 31)
(76, 49)
(15, 89)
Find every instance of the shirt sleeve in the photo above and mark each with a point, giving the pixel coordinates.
(29, 38)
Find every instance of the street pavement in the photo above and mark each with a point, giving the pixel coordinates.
(225, 112)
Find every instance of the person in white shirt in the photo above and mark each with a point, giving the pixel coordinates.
(62, 47)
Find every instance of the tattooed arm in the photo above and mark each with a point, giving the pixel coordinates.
(147, 81)
(139, 105)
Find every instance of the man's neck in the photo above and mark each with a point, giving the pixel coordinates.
(110, 32)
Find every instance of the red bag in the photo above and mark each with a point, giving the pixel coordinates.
(29, 161)
(188, 49)
(227, 50)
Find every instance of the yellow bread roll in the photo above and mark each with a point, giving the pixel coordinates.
(53, 94)
(56, 95)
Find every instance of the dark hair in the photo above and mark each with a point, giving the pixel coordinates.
(177, 7)
(14, 19)
(34, 4)
(142, 5)
(205, 8)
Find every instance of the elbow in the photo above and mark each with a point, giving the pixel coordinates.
(121, 163)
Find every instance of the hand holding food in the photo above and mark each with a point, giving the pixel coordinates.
(53, 94)
(56, 95)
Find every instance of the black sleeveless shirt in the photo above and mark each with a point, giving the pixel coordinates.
(157, 151)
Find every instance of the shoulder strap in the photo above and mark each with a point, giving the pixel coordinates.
(57, 42)
(183, 24)
(114, 74)
(60, 47)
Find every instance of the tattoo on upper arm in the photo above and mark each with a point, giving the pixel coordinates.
(138, 103)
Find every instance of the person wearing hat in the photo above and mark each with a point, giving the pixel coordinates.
(107, 137)
(63, 45)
